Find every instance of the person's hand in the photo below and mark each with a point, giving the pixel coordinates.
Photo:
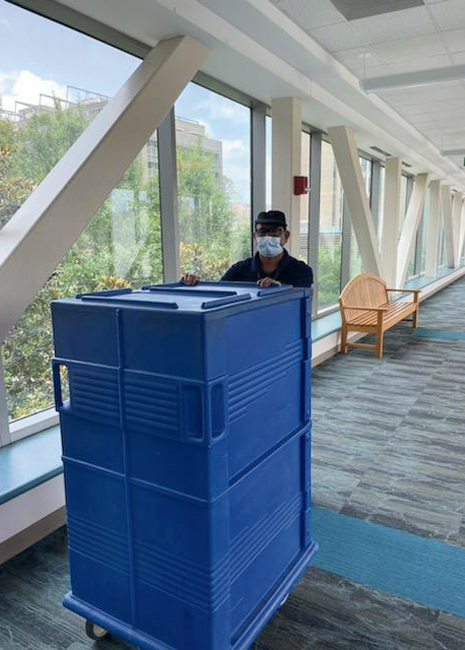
(268, 282)
(190, 279)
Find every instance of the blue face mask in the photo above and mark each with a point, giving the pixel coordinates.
(269, 246)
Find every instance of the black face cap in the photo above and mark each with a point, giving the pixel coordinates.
(275, 217)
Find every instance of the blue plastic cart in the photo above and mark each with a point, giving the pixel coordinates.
(186, 452)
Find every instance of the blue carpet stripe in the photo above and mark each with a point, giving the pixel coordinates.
(438, 334)
(420, 569)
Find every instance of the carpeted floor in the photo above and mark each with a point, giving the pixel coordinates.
(388, 447)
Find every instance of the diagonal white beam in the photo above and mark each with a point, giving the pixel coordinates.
(391, 219)
(432, 232)
(446, 194)
(345, 151)
(38, 236)
(410, 227)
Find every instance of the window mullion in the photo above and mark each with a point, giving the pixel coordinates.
(166, 139)
(375, 190)
(258, 161)
(314, 212)
(5, 436)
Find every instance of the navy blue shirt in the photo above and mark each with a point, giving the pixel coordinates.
(288, 271)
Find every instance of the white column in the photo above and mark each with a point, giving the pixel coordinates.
(392, 197)
(461, 236)
(446, 194)
(347, 160)
(286, 163)
(38, 236)
(410, 227)
(456, 227)
(433, 229)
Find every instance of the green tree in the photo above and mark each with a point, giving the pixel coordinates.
(329, 275)
(206, 215)
(121, 246)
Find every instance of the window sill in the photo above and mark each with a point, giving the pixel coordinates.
(31, 424)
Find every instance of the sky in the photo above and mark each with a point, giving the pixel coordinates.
(40, 56)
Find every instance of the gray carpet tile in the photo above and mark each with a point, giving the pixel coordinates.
(388, 446)
(324, 612)
(389, 434)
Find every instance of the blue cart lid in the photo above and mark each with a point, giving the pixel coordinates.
(199, 298)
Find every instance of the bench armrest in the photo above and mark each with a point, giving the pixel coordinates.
(405, 290)
(364, 308)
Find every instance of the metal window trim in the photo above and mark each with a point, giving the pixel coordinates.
(167, 178)
(73, 19)
(375, 191)
(257, 164)
(314, 212)
(326, 311)
(5, 433)
(35, 423)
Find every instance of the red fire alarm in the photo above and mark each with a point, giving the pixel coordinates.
(300, 185)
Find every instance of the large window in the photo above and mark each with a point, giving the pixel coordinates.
(330, 237)
(45, 107)
(214, 181)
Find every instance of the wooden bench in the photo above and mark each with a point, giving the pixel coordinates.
(365, 307)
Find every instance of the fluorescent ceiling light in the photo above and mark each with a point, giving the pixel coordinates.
(411, 79)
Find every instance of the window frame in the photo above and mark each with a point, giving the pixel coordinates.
(12, 431)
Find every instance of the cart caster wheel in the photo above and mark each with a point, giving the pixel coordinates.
(95, 632)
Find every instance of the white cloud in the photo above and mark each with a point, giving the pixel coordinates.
(233, 146)
(219, 108)
(25, 86)
(4, 22)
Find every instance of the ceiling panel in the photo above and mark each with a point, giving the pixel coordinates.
(361, 62)
(423, 94)
(404, 48)
(310, 14)
(455, 39)
(420, 63)
(449, 14)
(336, 37)
(399, 24)
(433, 107)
